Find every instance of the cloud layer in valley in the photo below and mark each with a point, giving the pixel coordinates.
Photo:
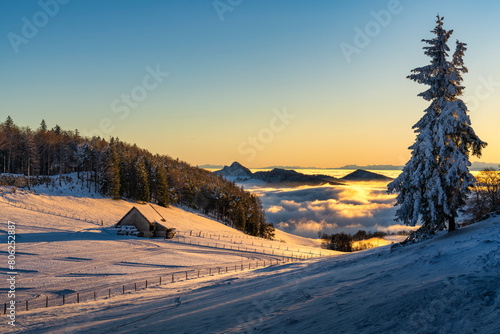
(308, 210)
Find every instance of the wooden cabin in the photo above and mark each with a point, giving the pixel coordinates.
(147, 227)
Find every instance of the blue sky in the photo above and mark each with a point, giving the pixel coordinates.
(229, 79)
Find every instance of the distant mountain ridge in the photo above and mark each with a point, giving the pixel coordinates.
(476, 166)
(364, 175)
(373, 167)
(287, 176)
(210, 166)
(276, 176)
(482, 165)
(235, 170)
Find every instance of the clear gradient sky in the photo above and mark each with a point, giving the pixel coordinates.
(232, 68)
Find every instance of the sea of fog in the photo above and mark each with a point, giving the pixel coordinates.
(307, 210)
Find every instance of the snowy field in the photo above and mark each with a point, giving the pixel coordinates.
(447, 285)
(66, 243)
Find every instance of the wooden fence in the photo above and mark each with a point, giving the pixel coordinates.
(285, 252)
(90, 295)
(55, 213)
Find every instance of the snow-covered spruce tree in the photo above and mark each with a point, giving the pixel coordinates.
(141, 191)
(435, 182)
(110, 179)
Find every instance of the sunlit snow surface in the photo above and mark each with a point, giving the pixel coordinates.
(62, 248)
(447, 285)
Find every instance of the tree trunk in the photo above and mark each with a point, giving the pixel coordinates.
(451, 226)
(60, 171)
(29, 185)
(96, 178)
(9, 161)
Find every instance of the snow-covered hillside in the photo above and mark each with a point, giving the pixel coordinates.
(447, 285)
(66, 243)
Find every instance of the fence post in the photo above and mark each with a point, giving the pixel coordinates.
(146, 284)
(63, 299)
(160, 280)
(186, 275)
(123, 289)
(109, 293)
(226, 270)
(172, 278)
(235, 268)
(209, 271)
(249, 266)
(198, 273)
(27, 308)
(135, 286)
(219, 270)
(94, 296)
(46, 301)
(5, 308)
(77, 298)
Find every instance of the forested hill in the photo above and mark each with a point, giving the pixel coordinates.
(117, 169)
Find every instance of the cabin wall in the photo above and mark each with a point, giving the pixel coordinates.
(134, 218)
(159, 230)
